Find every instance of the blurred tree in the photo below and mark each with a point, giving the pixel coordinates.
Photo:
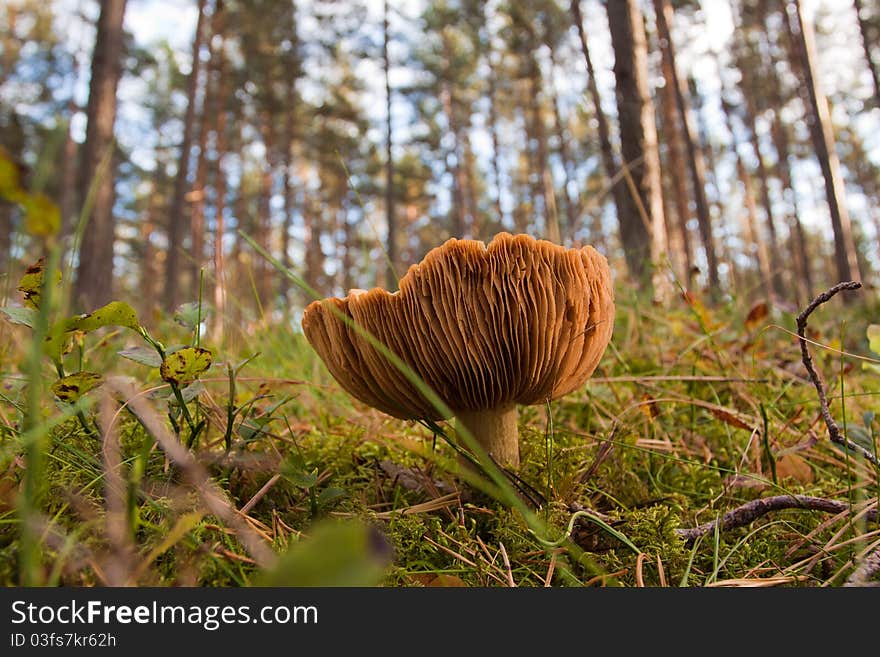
(94, 279)
(642, 226)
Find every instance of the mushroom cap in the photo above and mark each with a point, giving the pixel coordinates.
(519, 321)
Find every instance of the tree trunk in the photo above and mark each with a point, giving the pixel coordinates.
(197, 198)
(755, 244)
(546, 188)
(803, 279)
(287, 183)
(493, 130)
(177, 215)
(264, 214)
(696, 163)
(390, 216)
(571, 203)
(220, 175)
(67, 198)
(642, 226)
(679, 241)
(866, 46)
(149, 272)
(609, 161)
(821, 131)
(94, 281)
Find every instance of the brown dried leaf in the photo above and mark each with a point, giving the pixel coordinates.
(730, 418)
(757, 314)
(795, 466)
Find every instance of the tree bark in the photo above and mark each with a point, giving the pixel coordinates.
(177, 214)
(196, 197)
(696, 162)
(755, 244)
(642, 225)
(220, 174)
(571, 203)
(680, 244)
(287, 183)
(822, 134)
(390, 210)
(609, 161)
(538, 132)
(94, 280)
(493, 130)
(866, 46)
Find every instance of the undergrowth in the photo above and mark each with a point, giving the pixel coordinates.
(694, 411)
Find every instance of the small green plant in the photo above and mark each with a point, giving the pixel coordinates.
(64, 346)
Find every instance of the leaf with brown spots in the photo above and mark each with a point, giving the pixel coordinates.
(31, 284)
(184, 366)
(70, 388)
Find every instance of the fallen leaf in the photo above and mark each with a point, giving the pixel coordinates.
(757, 314)
(730, 418)
(446, 581)
(794, 466)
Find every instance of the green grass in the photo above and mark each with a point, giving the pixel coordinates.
(691, 413)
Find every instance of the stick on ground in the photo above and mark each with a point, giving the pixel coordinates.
(834, 432)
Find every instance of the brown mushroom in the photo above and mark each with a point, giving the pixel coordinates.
(520, 321)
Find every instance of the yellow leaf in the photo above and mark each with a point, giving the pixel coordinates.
(42, 217)
(31, 284)
(10, 186)
(184, 366)
(72, 387)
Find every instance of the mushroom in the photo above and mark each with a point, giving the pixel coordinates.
(520, 321)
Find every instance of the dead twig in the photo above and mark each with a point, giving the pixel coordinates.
(869, 567)
(745, 514)
(212, 496)
(834, 432)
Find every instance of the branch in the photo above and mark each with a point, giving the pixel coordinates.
(869, 567)
(833, 430)
(743, 515)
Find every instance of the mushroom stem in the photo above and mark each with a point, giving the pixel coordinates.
(496, 430)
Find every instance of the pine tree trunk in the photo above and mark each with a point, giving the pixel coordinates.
(390, 210)
(287, 183)
(546, 190)
(679, 240)
(696, 162)
(642, 225)
(177, 214)
(220, 175)
(196, 197)
(94, 281)
(571, 203)
(752, 238)
(264, 214)
(67, 198)
(866, 46)
(821, 131)
(609, 161)
(493, 130)
(797, 245)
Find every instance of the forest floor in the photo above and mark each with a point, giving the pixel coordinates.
(696, 410)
